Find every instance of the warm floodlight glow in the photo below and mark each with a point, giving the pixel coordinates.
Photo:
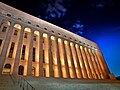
(37, 58)
(71, 44)
(81, 47)
(27, 29)
(45, 35)
(89, 49)
(81, 65)
(36, 32)
(65, 42)
(69, 63)
(75, 64)
(52, 38)
(62, 62)
(8, 23)
(76, 45)
(17, 26)
(45, 53)
(59, 40)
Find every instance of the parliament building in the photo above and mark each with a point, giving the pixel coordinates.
(30, 46)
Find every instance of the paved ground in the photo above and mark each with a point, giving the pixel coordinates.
(41, 83)
(7, 83)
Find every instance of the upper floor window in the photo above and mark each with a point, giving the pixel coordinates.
(34, 50)
(43, 56)
(0, 42)
(15, 32)
(25, 35)
(4, 29)
(34, 38)
(11, 50)
(23, 52)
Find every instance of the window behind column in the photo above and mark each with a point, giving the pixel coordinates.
(25, 35)
(43, 57)
(23, 52)
(11, 50)
(26, 32)
(5, 25)
(17, 28)
(36, 34)
(21, 70)
(34, 51)
(15, 32)
(34, 38)
(4, 29)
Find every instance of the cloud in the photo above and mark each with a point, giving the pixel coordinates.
(75, 26)
(55, 9)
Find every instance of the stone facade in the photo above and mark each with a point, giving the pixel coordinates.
(31, 46)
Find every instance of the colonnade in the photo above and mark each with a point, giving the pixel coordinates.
(38, 52)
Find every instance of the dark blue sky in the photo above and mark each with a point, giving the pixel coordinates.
(97, 20)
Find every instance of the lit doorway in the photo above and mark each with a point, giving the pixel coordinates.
(7, 69)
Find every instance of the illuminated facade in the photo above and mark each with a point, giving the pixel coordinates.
(31, 46)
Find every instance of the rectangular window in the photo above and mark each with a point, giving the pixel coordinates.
(15, 32)
(4, 29)
(11, 50)
(23, 52)
(43, 57)
(34, 54)
(0, 42)
(25, 35)
(34, 38)
(43, 40)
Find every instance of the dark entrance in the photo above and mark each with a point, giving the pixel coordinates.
(21, 70)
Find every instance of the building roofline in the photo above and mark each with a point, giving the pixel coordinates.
(33, 19)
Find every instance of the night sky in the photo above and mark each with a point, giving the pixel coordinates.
(96, 20)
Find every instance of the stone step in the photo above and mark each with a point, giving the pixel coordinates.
(6, 83)
(10, 88)
(42, 83)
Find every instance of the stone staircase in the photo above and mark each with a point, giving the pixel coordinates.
(14, 82)
(42, 83)
(11, 82)
(8, 83)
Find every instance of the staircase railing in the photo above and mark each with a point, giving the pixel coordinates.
(24, 84)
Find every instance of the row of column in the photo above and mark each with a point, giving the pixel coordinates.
(74, 61)
(65, 58)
